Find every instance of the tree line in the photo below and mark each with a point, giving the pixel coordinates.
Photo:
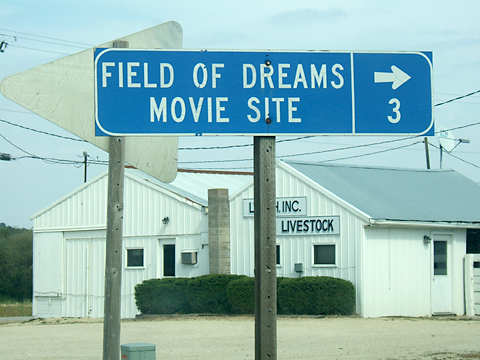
(16, 260)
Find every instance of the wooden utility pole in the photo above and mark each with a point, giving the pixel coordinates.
(114, 238)
(85, 160)
(265, 248)
(427, 154)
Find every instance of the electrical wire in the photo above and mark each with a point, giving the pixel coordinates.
(279, 141)
(458, 98)
(373, 153)
(46, 37)
(282, 157)
(28, 48)
(42, 132)
(350, 147)
(460, 127)
(456, 157)
(17, 147)
(47, 159)
(43, 41)
(243, 145)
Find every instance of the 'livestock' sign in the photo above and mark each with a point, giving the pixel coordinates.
(329, 225)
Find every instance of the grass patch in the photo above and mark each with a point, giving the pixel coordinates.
(9, 309)
(470, 356)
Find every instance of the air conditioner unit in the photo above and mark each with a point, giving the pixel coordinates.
(189, 257)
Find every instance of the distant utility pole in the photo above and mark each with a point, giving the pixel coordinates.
(427, 154)
(85, 156)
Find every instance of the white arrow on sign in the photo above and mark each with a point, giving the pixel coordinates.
(397, 77)
(63, 92)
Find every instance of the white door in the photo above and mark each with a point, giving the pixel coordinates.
(166, 261)
(442, 279)
(85, 280)
(77, 278)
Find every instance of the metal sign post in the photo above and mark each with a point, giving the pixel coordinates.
(265, 248)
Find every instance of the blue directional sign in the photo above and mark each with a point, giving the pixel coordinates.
(186, 92)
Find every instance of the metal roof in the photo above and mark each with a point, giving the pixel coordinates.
(194, 185)
(399, 194)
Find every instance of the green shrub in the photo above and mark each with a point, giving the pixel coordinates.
(279, 308)
(163, 296)
(207, 294)
(226, 294)
(241, 295)
(316, 296)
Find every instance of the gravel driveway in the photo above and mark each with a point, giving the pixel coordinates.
(219, 337)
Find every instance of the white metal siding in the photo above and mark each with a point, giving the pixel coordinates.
(397, 263)
(85, 274)
(145, 207)
(295, 249)
(476, 288)
(74, 287)
(459, 250)
(70, 263)
(153, 264)
(386, 265)
(84, 208)
(48, 272)
(242, 260)
(472, 284)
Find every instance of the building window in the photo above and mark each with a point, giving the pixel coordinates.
(278, 255)
(324, 254)
(473, 241)
(440, 258)
(134, 258)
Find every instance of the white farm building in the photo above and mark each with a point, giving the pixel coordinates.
(400, 236)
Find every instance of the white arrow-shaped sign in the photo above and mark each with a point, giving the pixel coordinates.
(397, 77)
(63, 93)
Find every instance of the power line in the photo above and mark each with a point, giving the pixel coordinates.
(456, 157)
(330, 150)
(242, 145)
(46, 37)
(458, 98)
(279, 141)
(43, 41)
(42, 132)
(373, 153)
(49, 160)
(49, 51)
(462, 126)
(16, 146)
(351, 147)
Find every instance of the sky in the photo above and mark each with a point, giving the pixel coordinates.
(41, 32)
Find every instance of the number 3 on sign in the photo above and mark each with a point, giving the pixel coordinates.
(396, 110)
